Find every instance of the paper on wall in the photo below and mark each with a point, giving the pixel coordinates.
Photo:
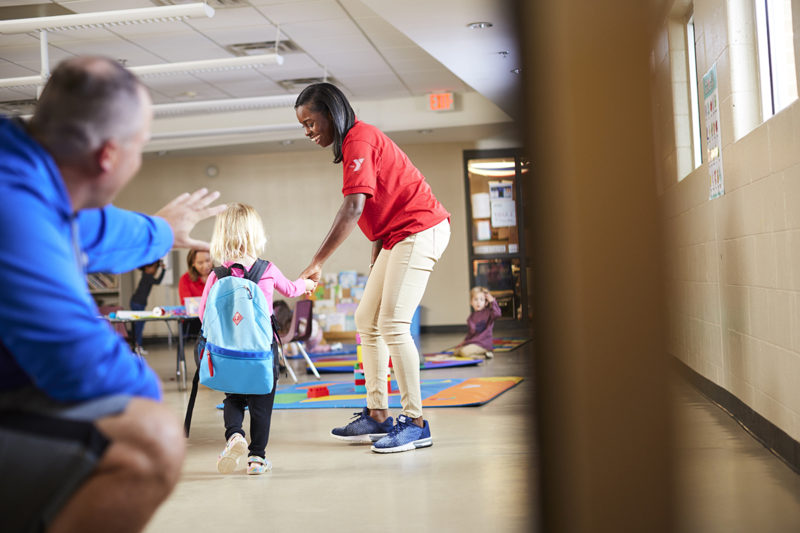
(480, 205)
(483, 230)
(503, 213)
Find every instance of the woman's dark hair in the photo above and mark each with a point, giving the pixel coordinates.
(328, 98)
(194, 274)
(283, 314)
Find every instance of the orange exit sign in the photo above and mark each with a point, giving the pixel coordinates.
(441, 101)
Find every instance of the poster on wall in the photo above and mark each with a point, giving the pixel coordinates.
(713, 141)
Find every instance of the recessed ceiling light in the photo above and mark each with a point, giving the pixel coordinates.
(516, 70)
(479, 25)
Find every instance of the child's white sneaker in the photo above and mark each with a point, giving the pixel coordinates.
(489, 355)
(229, 458)
(257, 465)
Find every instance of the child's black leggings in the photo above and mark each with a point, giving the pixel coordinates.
(260, 407)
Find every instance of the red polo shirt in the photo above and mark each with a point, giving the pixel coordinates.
(399, 200)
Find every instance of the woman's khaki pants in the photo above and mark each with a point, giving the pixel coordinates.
(394, 289)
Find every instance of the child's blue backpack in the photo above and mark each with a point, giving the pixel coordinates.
(236, 327)
(237, 344)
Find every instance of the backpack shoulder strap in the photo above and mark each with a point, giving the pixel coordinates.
(222, 272)
(257, 270)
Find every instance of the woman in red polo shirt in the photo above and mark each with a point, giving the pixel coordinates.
(192, 283)
(391, 202)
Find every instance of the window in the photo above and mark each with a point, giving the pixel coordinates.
(682, 61)
(775, 55)
(694, 98)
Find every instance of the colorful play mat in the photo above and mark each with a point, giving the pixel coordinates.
(506, 344)
(342, 361)
(435, 393)
(345, 363)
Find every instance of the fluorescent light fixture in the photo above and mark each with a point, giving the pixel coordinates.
(208, 65)
(107, 18)
(203, 65)
(228, 104)
(494, 169)
(238, 130)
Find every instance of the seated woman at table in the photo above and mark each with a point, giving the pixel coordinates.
(193, 282)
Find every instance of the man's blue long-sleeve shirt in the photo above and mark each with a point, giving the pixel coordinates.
(50, 333)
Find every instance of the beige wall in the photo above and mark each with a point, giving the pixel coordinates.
(734, 262)
(298, 194)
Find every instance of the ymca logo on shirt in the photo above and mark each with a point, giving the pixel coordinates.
(357, 164)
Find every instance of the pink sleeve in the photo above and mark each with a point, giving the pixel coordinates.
(209, 282)
(290, 289)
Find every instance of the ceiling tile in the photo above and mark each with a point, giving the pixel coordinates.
(320, 29)
(382, 34)
(186, 46)
(302, 11)
(346, 43)
(250, 88)
(10, 95)
(177, 85)
(113, 48)
(368, 86)
(17, 39)
(426, 82)
(354, 63)
(251, 34)
(229, 18)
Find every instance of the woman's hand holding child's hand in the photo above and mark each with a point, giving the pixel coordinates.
(310, 286)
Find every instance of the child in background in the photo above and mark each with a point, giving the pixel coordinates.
(239, 238)
(139, 298)
(480, 324)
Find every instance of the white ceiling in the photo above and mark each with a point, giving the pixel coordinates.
(387, 55)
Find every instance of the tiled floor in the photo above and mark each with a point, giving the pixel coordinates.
(727, 482)
(474, 478)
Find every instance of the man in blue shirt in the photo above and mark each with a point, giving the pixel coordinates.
(85, 443)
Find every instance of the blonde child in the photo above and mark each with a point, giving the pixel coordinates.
(239, 238)
(480, 324)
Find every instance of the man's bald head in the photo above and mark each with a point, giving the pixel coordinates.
(86, 102)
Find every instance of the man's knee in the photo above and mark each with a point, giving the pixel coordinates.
(147, 441)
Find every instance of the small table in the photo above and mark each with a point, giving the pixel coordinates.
(180, 356)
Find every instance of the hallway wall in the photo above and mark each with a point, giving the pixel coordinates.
(297, 195)
(733, 263)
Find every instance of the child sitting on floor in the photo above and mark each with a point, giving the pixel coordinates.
(480, 324)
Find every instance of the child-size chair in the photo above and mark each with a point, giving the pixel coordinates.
(303, 311)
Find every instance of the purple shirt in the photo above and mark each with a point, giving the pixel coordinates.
(480, 324)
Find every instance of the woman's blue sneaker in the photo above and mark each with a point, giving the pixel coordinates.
(405, 436)
(363, 428)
